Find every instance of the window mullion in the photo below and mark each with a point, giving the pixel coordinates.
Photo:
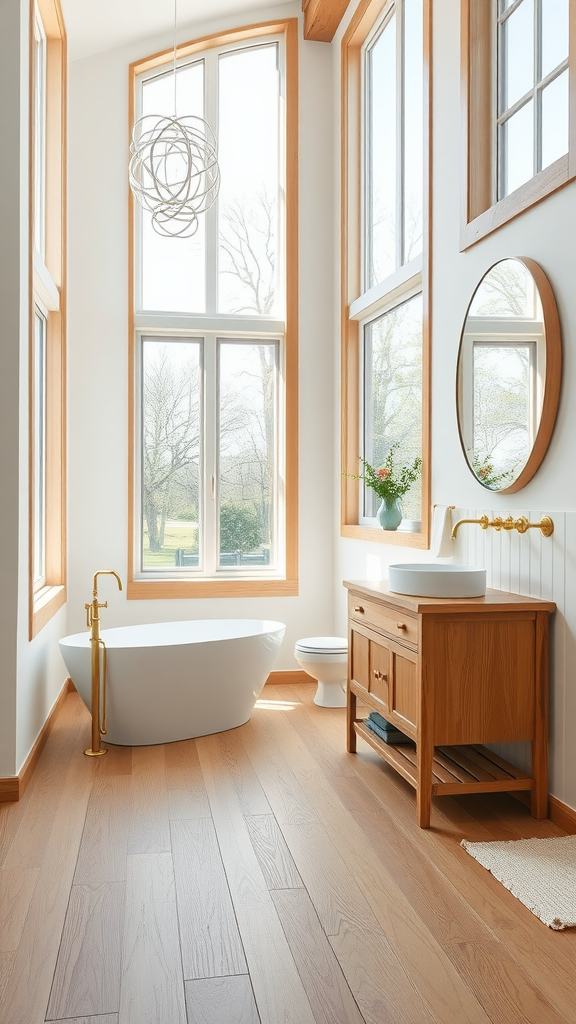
(208, 477)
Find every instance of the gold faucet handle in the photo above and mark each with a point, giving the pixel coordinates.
(88, 608)
(105, 605)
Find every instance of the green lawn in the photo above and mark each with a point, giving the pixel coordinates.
(185, 536)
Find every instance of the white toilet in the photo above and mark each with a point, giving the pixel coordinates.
(325, 658)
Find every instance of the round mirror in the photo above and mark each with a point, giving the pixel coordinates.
(509, 369)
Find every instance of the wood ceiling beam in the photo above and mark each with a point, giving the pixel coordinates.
(321, 18)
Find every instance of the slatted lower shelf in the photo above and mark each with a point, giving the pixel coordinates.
(455, 770)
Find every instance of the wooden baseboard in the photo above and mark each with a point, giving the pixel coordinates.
(289, 677)
(13, 787)
(562, 815)
(558, 813)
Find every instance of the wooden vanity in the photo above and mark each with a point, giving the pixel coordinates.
(452, 674)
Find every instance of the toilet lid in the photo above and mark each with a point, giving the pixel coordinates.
(323, 645)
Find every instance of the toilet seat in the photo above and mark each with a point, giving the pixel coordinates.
(326, 645)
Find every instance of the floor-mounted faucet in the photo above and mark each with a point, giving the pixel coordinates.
(93, 624)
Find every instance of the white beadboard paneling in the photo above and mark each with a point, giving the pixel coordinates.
(569, 781)
(541, 567)
(558, 656)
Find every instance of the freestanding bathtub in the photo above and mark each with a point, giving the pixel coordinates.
(174, 680)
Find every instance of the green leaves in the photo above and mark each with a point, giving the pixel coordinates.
(389, 481)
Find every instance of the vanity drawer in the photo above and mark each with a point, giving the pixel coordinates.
(396, 624)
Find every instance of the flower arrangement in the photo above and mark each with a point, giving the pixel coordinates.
(389, 482)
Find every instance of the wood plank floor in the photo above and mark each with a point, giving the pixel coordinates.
(262, 876)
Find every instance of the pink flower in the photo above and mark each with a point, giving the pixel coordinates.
(383, 473)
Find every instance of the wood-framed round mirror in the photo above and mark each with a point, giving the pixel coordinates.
(509, 373)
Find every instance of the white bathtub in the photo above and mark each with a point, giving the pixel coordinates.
(174, 680)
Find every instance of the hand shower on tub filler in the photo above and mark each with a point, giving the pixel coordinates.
(93, 624)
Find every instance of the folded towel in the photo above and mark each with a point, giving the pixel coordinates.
(383, 723)
(442, 544)
(389, 736)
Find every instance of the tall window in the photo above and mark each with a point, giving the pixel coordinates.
(519, 104)
(385, 394)
(214, 339)
(47, 314)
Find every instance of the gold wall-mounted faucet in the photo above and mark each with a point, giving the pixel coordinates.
(546, 526)
(93, 624)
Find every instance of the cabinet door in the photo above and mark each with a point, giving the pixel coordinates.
(379, 672)
(404, 689)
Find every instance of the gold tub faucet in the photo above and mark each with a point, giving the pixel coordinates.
(93, 624)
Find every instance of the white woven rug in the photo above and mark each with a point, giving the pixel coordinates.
(541, 873)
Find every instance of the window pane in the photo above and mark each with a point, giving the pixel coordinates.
(555, 34)
(393, 395)
(555, 119)
(503, 409)
(381, 156)
(413, 152)
(39, 446)
(247, 453)
(39, 135)
(518, 138)
(171, 454)
(173, 269)
(518, 54)
(248, 151)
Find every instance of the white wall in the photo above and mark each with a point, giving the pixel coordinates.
(98, 345)
(529, 564)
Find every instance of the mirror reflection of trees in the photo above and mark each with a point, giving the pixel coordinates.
(393, 395)
(502, 412)
(501, 358)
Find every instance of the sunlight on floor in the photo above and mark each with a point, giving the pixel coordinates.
(277, 705)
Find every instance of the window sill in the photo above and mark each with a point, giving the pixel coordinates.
(534, 191)
(374, 535)
(172, 589)
(45, 603)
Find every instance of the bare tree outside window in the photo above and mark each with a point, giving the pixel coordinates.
(171, 442)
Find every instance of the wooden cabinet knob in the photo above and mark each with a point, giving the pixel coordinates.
(379, 675)
(359, 608)
(401, 625)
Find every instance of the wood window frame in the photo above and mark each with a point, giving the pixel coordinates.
(174, 588)
(480, 212)
(358, 31)
(47, 285)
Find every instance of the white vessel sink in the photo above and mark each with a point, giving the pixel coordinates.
(427, 579)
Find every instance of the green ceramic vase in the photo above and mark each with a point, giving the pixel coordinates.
(389, 515)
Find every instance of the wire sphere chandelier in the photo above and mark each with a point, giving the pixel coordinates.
(173, 168)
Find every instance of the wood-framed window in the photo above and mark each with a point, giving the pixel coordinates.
(213, 334)
(385, 259)
(47, 348)
(519, 107)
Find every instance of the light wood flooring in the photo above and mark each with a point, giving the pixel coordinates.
(261, 875)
